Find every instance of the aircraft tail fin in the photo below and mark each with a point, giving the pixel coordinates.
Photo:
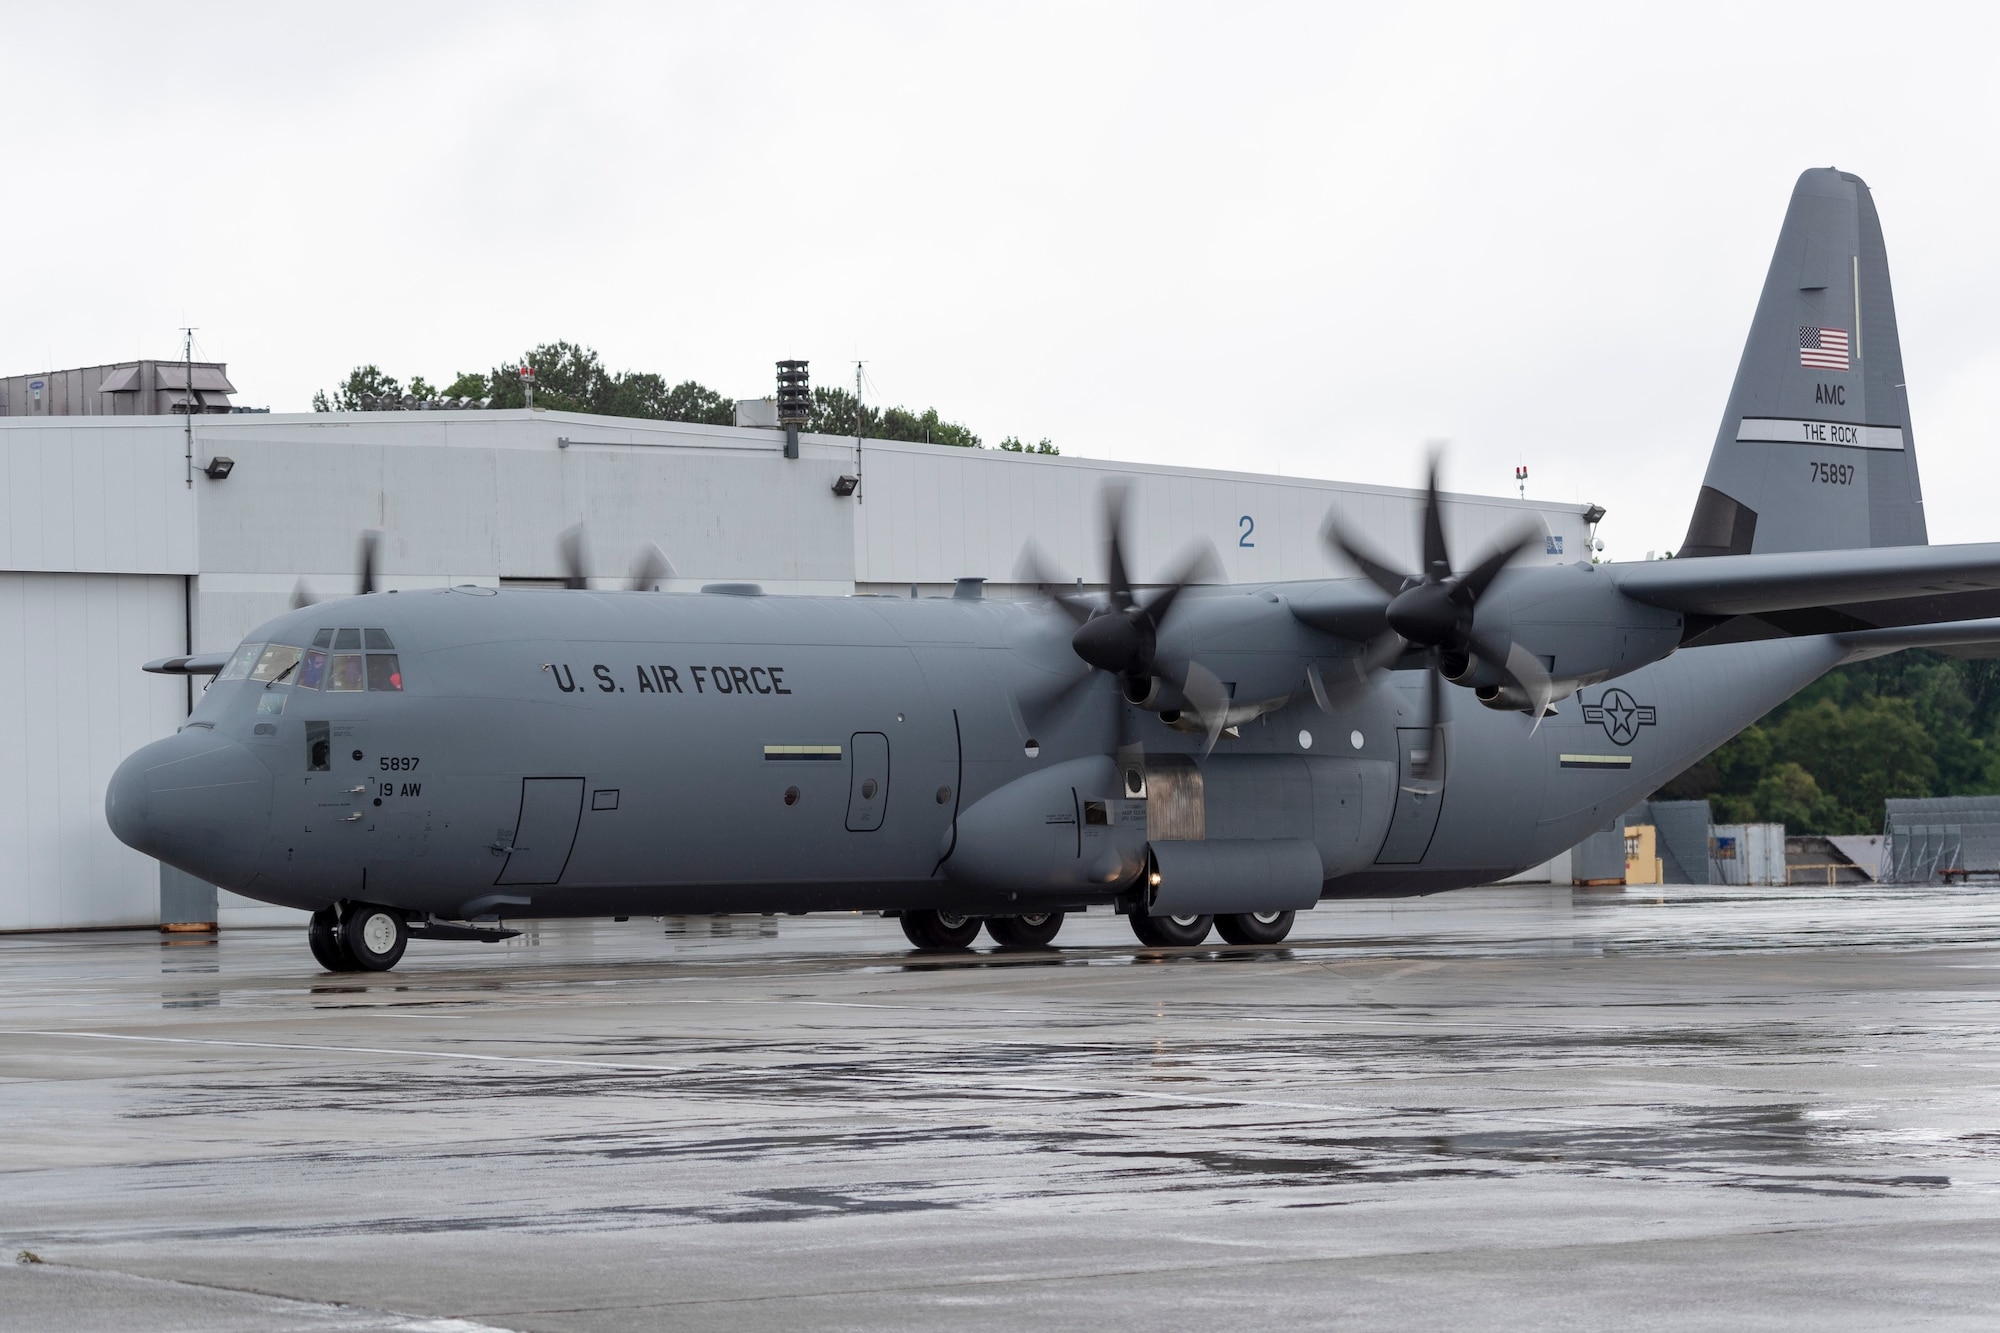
(1814, 452)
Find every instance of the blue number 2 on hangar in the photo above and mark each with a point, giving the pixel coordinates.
(1249, 526)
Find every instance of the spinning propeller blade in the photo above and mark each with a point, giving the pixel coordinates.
(1434, 611)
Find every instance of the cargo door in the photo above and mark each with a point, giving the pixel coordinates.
(868, 781)
(545, 831)
(1419, 797)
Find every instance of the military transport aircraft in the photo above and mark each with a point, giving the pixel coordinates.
(431, 763)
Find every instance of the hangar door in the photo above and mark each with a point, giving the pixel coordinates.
(545, 832)
(75, 705)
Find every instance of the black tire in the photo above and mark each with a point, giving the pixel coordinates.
(1170, 932)
(1255, 927)
(929, 929)
(1033, 931)
(374, 937)
(323, 936)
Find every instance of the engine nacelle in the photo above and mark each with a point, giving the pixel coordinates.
(1063, 829)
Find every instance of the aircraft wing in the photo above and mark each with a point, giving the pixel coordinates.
(1738, 585)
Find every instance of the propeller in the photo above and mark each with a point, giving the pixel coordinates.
(649, 567)
(570, 547)
(1120, 636)
(1432, 613)
(371, 541)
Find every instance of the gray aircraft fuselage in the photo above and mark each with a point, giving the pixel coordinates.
(574, 753)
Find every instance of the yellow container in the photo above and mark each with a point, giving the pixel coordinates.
(1641, 865)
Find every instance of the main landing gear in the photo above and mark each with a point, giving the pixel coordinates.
(1033, 931)
(357, 937)
(1166, 932)
(930, 929)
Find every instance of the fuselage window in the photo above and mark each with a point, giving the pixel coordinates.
(275, 662)
(344, 671)
(239, 665)
(313, 674)
(347, 640)
(384, 672)
(378, 640)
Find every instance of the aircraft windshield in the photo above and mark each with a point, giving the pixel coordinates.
(277, 660)
(239, 665)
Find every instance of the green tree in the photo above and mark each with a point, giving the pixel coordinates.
(1012, 444)
(469, 384)
(570, 377)
(362, 382)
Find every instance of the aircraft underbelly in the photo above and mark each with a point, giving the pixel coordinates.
(1513, 800)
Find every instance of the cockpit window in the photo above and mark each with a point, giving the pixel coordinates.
(239, 665)
(275, 661)
(378, 640)
(313, 674)
(384, 672)
(344, 670)
(323, 639)
(347, 640)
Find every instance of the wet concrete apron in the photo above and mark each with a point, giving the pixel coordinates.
(1505, 1107)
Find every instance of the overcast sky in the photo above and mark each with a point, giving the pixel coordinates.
(1298, 239)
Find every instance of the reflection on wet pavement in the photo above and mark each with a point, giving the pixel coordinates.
(544, 1133)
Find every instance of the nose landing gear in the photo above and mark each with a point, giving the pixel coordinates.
(357, 937)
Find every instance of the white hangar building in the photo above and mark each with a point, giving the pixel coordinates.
(127, 537)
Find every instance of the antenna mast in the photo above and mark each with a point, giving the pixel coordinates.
(858, 497)
(187, 405)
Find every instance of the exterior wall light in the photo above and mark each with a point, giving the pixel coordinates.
(845, 485)
(218, 467)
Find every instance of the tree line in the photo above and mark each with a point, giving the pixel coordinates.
(1909, 724)
(572, 378)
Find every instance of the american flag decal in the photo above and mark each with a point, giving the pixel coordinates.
(1823, 349)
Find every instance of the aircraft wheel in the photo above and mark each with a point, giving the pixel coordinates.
(374, 937)
(1032, 931)
(1255, 927)
(323, 935)
(1166, 932)
(929, 929)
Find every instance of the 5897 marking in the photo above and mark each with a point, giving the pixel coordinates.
(1833, 474)
(406, 763)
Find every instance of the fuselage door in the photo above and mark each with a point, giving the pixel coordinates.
(868, 781)
(1419, 797)
(545, 831)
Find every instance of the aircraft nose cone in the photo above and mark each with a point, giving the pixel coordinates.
(1423, 614)
(197, 801)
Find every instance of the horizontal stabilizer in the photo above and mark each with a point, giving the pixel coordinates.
(206, 664)
(1736, 585)
(1951, 634)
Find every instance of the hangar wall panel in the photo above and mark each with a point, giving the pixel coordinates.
(85, 495)
(930, 515)
(72, 706)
